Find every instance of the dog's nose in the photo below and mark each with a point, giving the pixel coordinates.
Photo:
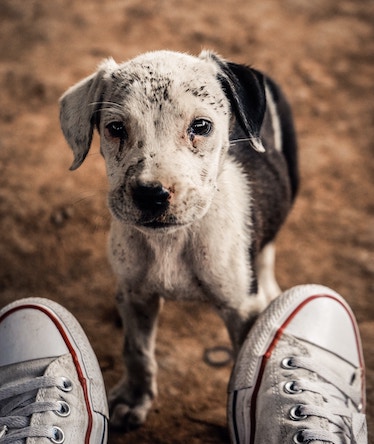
(151, 197)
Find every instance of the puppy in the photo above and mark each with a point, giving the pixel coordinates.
(201, 162)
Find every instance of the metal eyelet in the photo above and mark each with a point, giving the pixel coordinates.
(298, 437)
(287, 363)
(66, 385)
(295, 413)
(64, 409)
(58, 435)
(290, 387)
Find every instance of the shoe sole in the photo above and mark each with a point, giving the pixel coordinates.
(257, 348)
(83, 356)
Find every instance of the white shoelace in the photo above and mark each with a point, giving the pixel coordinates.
(18, 403)
(348, 424)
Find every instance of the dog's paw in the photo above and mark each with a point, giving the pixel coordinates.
(126, 418)
(128, 412)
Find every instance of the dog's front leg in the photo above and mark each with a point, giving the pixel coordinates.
(239, 315)
(132, 398)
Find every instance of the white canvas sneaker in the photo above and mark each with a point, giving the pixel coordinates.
(51, 387)
(299, 377)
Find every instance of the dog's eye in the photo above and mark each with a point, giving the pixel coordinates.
(200, 127)
(116, 130)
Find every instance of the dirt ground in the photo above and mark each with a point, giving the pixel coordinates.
(54, 223)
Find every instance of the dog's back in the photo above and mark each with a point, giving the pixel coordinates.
(272, 174)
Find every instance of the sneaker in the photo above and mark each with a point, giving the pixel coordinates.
(51, 387)
(299, 377)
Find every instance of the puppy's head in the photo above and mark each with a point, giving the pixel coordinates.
(164, 120)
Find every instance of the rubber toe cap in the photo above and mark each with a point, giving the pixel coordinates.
(26, 333)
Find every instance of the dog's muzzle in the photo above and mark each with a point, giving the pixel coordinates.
(152, 199)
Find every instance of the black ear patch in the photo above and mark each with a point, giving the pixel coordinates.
(244, 88)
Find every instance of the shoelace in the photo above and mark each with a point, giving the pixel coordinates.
(18, 403)
(344, 406)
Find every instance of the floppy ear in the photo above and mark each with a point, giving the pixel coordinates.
(244, 88)
(79, 108)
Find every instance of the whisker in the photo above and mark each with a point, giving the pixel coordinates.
(111, 104)
(256, 143)
(113, 110)
(84, 198)
(247, 139)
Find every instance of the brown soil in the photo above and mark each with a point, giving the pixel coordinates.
(54, 223)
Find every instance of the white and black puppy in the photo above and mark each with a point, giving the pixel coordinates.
(201, 161)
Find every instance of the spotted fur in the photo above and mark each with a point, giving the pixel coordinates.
(201, 164)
